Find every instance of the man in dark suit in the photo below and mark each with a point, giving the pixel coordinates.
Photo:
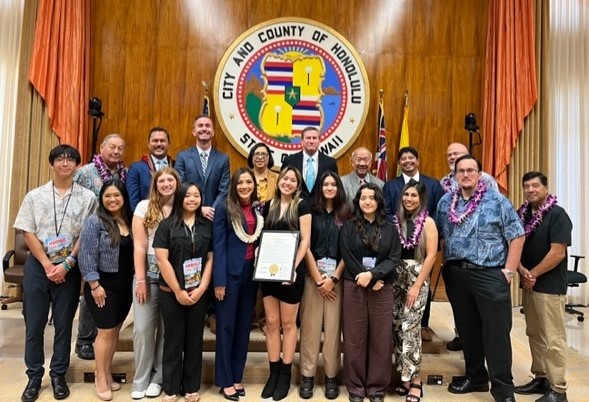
(310, 162)
(408, 160)
(205, 166)
(140, 173)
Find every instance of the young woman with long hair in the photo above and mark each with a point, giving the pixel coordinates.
(371, 251)
(419, 239)
(237, 227)
(286, 211)
(322, 298)
(183, 247)
(148, 327)
(106, 263)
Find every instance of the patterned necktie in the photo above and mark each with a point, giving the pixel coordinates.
(310, 179)
(203, 161)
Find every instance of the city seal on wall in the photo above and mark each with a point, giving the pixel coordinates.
(284, 75)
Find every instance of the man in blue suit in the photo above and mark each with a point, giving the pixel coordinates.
(140, 173)
(408, 160)
(205, 166)
(310, 162)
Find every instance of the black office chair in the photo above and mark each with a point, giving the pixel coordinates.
(574, 278)
(15, 273)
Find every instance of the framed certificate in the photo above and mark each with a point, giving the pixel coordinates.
(276, 256)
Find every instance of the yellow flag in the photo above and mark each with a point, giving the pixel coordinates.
(404, 137)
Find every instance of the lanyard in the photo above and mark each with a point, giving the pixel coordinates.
(192, 236)
(58, 229)
(327, 229)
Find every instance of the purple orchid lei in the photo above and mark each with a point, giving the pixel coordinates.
(479, 193)
(531, 220)
(447, 183)
(411, 243)
(104, 171)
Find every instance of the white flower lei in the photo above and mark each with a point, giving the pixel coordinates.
(243, 236)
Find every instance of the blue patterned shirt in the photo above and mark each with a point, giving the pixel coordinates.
(483, 238)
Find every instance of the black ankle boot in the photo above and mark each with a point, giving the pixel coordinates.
(283, 385)
(270, 386)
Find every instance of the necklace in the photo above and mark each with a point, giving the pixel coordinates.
(447, 183)
(531, 220)
(104, 171)
(242, 235)
(472, 204)
(411, 243)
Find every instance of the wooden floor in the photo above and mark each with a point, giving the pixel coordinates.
(446, 363)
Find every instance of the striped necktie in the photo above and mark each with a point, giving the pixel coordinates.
(203, 161)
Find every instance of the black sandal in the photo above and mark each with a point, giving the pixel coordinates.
(415, 398)
(402, 390)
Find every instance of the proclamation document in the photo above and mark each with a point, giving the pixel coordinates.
(276, 256)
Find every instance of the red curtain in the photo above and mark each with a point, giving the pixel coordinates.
(510, 81)
(60, 67)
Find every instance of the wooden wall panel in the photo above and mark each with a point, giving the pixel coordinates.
(149, 58)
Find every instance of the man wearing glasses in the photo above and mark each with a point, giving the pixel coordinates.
(482, 239)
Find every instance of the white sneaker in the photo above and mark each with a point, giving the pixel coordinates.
(153, 390)
(138, 394)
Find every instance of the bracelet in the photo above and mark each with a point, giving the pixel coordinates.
(71, 261)
(139, 282)
(95, 287)
(66, 266)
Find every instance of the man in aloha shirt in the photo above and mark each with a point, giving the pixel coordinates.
(482, 240)
(107, 164)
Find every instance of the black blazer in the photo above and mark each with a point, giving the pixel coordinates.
(326, 164)
(393, 188)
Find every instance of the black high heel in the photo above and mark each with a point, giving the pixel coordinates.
(240, 392)
(233, 397)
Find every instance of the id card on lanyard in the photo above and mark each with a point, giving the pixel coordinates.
(58, 247)
(192, 268)
(368, 263)
(326, 266)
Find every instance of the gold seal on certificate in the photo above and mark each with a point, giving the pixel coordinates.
(276, 256)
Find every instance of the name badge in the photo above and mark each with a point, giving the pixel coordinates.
(326, 266)
(192, 273)
(368, 263)
(57, 248)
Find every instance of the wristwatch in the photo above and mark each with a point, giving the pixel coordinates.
(509, 273)
(334, 279)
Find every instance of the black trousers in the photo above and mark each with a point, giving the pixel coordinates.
(482, 310)
(183, 333)
(39, 294)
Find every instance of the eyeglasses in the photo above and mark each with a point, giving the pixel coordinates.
(61, 159)
(260, 155)
(466, 171)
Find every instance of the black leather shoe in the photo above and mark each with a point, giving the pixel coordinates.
(31, 392)
(240, 392)
(553, 396)
(465, 386)
(331, 388)
(508, 399)
(539, 385)
(454, 345)
(233, 397)
(355, 398)
(306, 387)
(60, 388)
(85, 351)
(376, 398)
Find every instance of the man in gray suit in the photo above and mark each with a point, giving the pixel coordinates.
(205, 166)
(361, 162)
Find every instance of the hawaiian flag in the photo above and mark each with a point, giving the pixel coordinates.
(381, 153)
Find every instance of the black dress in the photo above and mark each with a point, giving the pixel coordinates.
(291, 294)
(118, 287)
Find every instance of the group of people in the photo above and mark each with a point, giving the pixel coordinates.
(177, 240)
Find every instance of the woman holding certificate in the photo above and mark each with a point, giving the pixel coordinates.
(183, 246)
(287, 212)
(106, 263)
(371, 251)
(322, 298)
(419, 238)
(237, 226)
